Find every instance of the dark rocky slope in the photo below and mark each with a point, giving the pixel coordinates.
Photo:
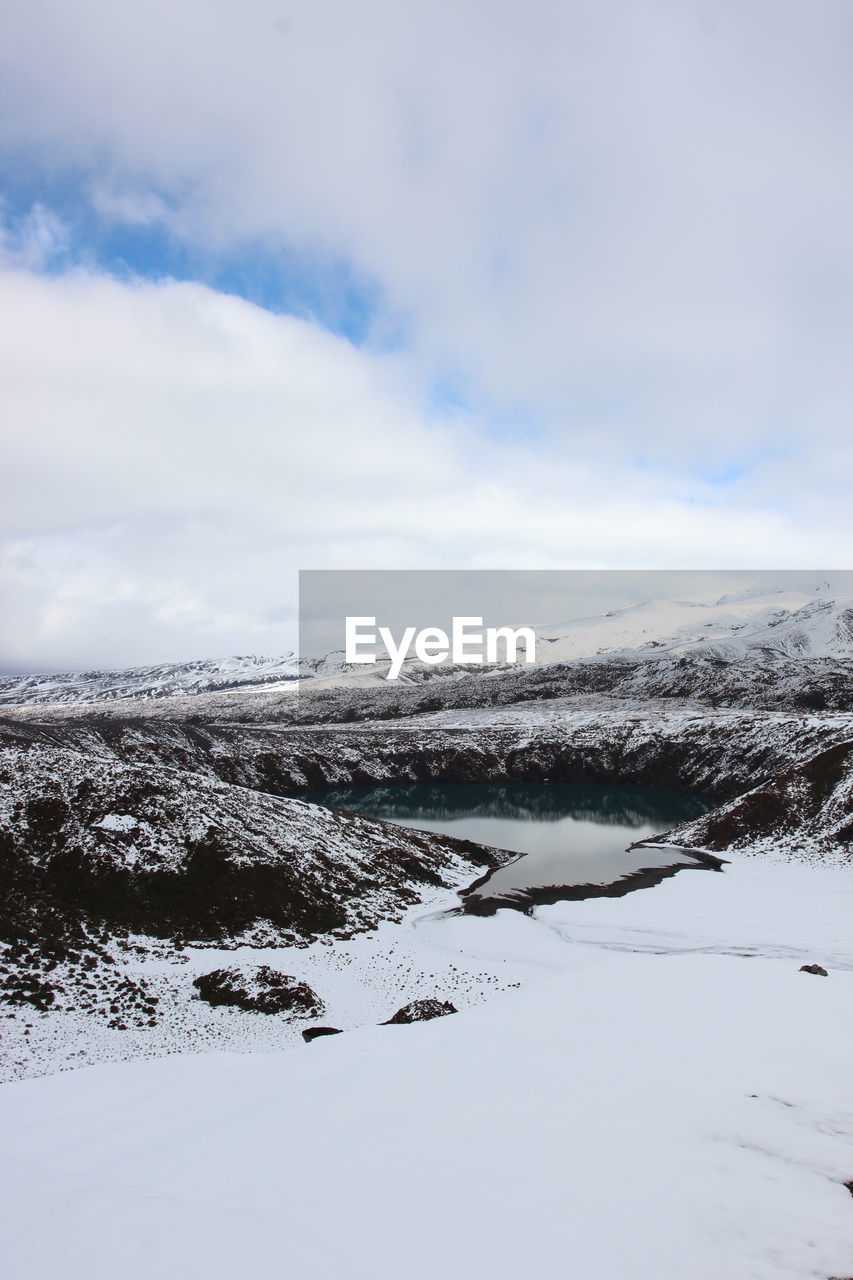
(177, 854)
(808, 806)
(765, 680)
(719, 753)
(95, 852)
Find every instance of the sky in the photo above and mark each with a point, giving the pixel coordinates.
(483, 285)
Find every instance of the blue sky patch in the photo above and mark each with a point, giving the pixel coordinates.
(307, 284)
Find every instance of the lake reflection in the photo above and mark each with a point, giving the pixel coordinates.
(574, 836)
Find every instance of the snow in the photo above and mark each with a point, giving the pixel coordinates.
(643, 1087)
(167, 680)
(788, 621)
(117, 822)
(782, 619)
(663, 1095)
(766, 907)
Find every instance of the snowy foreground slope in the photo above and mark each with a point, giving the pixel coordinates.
(671, 1113)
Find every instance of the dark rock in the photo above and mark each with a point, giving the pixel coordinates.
(810, 803)
(312, 1033)
(420, 1011)
(258, 989)
(814, 968)
(261, 863)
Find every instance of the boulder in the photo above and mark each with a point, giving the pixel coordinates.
(312, 1033)
(420, 1011)
(258, 989)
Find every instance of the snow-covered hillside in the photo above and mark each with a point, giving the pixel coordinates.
(808, 806)
(783, 621)
(95, 852)
(163, 681)
(784, 624)
(789, 622)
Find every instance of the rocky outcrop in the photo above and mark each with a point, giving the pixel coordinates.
(258, 989)
(315, 1033)
(806, 809)
(719, 754)
(420, 1011)
(98, 843)
(763, 679)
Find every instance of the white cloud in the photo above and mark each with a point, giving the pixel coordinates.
(38, 241)
(576, 204)
(629, 225)
(173, 456)
(136, 208)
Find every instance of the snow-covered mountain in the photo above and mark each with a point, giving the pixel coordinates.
(792, 623)
(166, 680)
(786, 622)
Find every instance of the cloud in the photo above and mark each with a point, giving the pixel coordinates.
(174, 455)
(621, 234)
(37, 241)
(137, 208)
(633, 214)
